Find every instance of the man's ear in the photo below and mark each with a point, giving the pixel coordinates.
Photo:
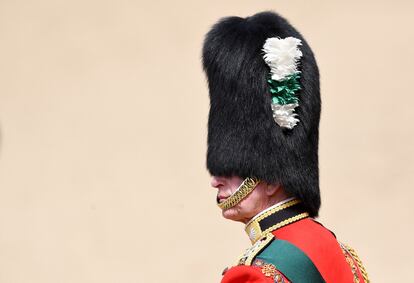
(272, 189)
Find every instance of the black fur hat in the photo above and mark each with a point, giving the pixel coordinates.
(243, 138)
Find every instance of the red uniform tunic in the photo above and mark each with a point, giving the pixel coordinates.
(304, 246)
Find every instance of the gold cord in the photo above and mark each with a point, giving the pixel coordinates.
(359, 262)
(243, 191)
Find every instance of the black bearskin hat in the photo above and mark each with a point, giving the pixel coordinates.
(243, 138)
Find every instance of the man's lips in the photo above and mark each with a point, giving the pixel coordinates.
(221, 198)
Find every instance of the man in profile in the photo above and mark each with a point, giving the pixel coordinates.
(263, 151)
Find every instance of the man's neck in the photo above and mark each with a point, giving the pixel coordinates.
(281, 202)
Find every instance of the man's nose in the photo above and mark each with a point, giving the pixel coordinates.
(216, 182)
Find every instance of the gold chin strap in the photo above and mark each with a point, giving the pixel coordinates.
(242, 191)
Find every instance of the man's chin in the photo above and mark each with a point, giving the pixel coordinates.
(232, 214)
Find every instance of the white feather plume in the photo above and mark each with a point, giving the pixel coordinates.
(284, 115)
(282, 56)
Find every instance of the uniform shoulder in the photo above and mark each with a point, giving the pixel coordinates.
(250, 254)
(251, 269)
(290, 261)
(321, 246)
(276, 259)
(310, 236)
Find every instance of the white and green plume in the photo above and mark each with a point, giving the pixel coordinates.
(282, 56)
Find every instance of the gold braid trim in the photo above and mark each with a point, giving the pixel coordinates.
(359, 262)
(286, 222)
(254, 230)
(250, 253)
(277, 208)
(243, 191)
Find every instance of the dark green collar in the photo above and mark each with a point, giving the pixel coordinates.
(275, 217)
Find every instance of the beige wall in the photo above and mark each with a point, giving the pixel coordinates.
(103, 112)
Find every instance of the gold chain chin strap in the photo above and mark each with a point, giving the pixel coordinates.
(359, 262)
(243, 191)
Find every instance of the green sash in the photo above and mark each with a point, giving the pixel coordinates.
(291, 261)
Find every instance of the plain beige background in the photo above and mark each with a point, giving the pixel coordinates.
(103, 112)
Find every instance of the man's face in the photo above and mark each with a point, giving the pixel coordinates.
(254, 203)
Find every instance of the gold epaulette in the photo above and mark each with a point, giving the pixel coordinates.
(248, 256)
